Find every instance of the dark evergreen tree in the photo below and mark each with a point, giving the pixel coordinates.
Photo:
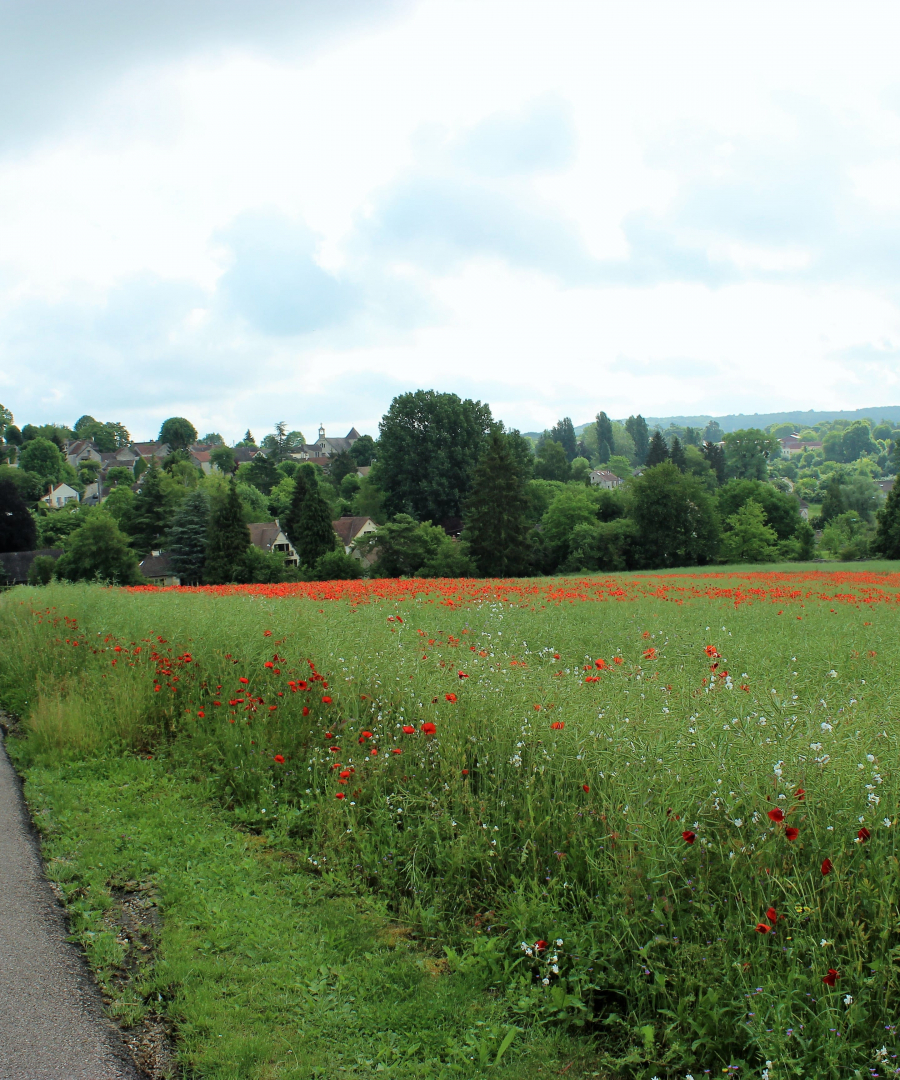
(150, 515)
(495, 514)
(261, 473)
(715, 455)
(887, 529)
(563, 432)
(605, 440)
(833, 504)
(18, 531)
(341, 465)
(657, 452)
(677, 455)
(636, 426)
(304, 479)
(188, 538)
(228, 541)
(317, 536)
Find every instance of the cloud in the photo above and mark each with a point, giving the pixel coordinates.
(540, 137)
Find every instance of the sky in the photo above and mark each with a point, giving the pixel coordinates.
(246, 213)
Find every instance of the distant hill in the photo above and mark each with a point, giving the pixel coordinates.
(735, 421)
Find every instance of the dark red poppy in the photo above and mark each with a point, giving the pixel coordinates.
(365, 735)
(585, 787)
(465, 772)
(763, 928)
(429, 729)
(776, 814)
(827, 866)
(688, 837)
(800, 794)
(462, 674)
(791, 833)
(831, 978)
(329, 734)
(771, 914)
(863, 834)
(306, 710)
(279, 758)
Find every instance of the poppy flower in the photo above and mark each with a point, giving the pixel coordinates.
(585, 788)
(396, 751)
(465, 772)
(863, 835)
(791, 833)
(268, 663)
(831, 978)
(267, 633)
(800, 794)
(306, 710)
(429, 729)
(408, 729)
(326, 700)
(329, 734)
(776, 814)
(711, 651)
(688, 837)
(771, 914)
(462, 674)
(827, 866)
(650, 654)
(244, 681)
(450, 697)
(558, 725)
(279, 758)
(339, 795)
(365, 735)
(618, 660)
(540, 945)
(763, 928)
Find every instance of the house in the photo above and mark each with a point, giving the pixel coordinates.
(804, 510)
(605, 479)
(90, 497)
(793, 444)
(61, 495)
(158, 570)
(886, 485)
(15, 565)
(267, 536)
(243, 454)
(126, 456)
(79, 450)
(352, 528)
(148, 450)
(325, 447)
(363, 471)
(201, 460)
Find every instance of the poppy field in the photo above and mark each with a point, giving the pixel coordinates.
(653, 815)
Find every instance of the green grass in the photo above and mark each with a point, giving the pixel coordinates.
(481, 837)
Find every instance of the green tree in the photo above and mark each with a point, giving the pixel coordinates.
(495, 512)
(677, 455)
(747, 454)
(43, 457)
(248, 439)
(260, 472)
(120, 474)
(363, 450)
(82, 424)
(99, 549)
(189, 536)
(605, 438)
(316, 533)
(580, 470)
(636, 426)
(551, 463)
(17, 528)
(337, 565)
(715, 455)
(291, 522)
(342, 464)
(228, 539)
(427, 452)
(120, 505)
(833, 503)
(713, 433)
(563, 432)
(619, 465)
(151, 513)
(178, 433)
(408, 548)
(572, 507)
(6, 418)
(782, 511)
(13, 436)
(212, 438)
(675, 518)
(41, 570)
(749, 538)
(887, 526)
(601, 546)
(223, 459)
(657, 452)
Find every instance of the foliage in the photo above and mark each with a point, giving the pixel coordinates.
(228, 540)
(152, 511)
(405, 547)
(563, 432)
(120, 474)
(601, 546)
(188, 538)
(106, 437)
(291, 519)
(657, 451)
(212, 438)
(637, 428)
(427, 451)
(580, 470)
(833, 503)
(44, 458)
(677, 455)
(495, 512)
(846, 537)
(675, 518)
(713, 433)
(337, 565)
(54, 526)
(98, 550)
(222, 457)
(747, 454)
(551, 463)
(620, 466)
(748, 537)
(715, 456)
(261, 473)
(363, 450)
(605, 440)
(315, 533)
(178, 433)
(17, 528)
(342, 464)
(41, 570)
(260, 567)
(782, 510)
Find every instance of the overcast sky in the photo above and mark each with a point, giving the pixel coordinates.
(250, 212)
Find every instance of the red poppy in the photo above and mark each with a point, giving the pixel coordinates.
(827, 866)
(763, 928)
(326, 700)
(329, 734)
(558, 725)
(800, 794)
(863, 834)
(408, 729)
(306, 710)
(396, 751)
(601, 664)
(650, 654)
(268, 663)
(831, 978)
(618, 660)
(711, 651)
(688, 837)
(771, 914)
(201, 713)
(267, 633)
(429, 729)
(585, 787)
(465, 772)
(279, 759)
(450, 697)
(365, 735)
(462, 674)
(339, 795)
(791, 833)
(243, 680)
(776, 814)
(334, 749)
(540, 945)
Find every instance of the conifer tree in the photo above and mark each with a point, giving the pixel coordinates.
(150, 515)
(317, 536)
(495, 523)
(188, 538)
(605, 440)
(833, 504)
(17, 528)
(304, 478)
(677, 455)
(228, 541)
(658, 452)
(887, 531)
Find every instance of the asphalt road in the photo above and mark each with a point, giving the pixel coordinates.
(51, 1020)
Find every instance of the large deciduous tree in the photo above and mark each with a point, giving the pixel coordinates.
(675, 518)
(636, 426)
(98, 549)
(43, 457)
(495, 513)
(427, 453)
(550, 462)
(747, 454)
(18, 531)
(887, 529)
(782, 510)
(563, 432)
(178, 433)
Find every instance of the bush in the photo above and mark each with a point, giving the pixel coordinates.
(41, 570)
(337, 566)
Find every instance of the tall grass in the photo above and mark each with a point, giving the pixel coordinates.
(620, 807)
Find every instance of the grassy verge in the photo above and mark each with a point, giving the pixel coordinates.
(261, 968)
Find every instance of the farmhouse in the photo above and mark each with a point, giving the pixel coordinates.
(61, 495)
(352, 528)
(158, 570)
(605, 479)
(267, 536)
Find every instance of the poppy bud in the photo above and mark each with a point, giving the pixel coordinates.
(827, 866)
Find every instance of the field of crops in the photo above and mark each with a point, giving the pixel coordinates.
(654, 815)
